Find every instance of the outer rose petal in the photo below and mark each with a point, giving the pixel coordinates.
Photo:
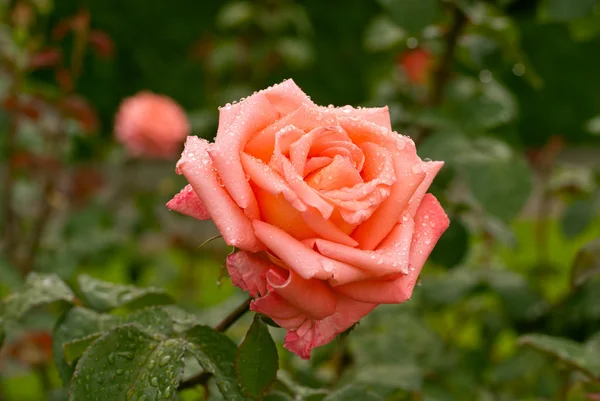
(430, 224)
(431, 170)
(376, 115)
(323, 331)
(305, 333)
(196, 166)
(312, 297)
(253, 114)
(248, 271)
(302, 259)
(187, 202)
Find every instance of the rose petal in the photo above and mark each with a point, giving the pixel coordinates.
(306, 118)
(267, 179)
(315, 163)
(326, 228)
(287, 97)
(341, 173)
(277, 211)
(300, 149)
(430, 224)
(392, 257)
(431, 170)
(376, 115)
(321, 332)
(248, 271)
(312, 297)
(281, 311)
(187, 202)
(196, 165)
(371, 232)
(254, 113)
(308, 195)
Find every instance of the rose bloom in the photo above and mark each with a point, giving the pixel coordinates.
(328, 207)
(151, 125)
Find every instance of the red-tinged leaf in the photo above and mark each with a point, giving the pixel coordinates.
(81, 110)
(46, 58)
(101, 43)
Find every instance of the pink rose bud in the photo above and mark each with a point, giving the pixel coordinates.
(151, 125)
(328, 205)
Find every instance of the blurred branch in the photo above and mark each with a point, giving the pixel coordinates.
(444, 67)
(202, 378)
(8, 212)
(234, 316)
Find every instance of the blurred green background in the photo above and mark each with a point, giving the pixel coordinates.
(506, 92)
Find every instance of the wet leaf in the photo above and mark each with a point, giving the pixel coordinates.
(586, 264)
(103, 296)
(216, 354)
(140, 366)
(568, 351)
(39, 289)
(256, 362)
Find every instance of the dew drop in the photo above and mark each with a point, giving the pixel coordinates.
(151, 364)
(111, 358)
(154, 381)
(119, 372)
(164, 360)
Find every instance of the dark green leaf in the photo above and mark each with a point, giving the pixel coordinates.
(586, 264)
(75, 324)
(74, 349)
(577, 217)
(2, 333)
(382, 35)
(103, 296)
(216, 354)
(257, 363)
(126, 364)
(412, 15)
(39, 289)
(564, 10)
(277, 396)
(498, 178)
(452, 246)
(154, 320)
(354, 393)
(568, 351)
(407, 376)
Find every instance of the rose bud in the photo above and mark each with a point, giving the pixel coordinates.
(151, 125)
(328, 206)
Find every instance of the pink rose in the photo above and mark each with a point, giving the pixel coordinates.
(328, 206)
(151, 125)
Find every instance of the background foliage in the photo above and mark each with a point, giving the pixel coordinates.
(505, 91)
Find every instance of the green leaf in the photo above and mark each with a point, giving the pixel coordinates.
(129, 364)
(39, 289)
(412, 15)
(75, 324)
(499, 178)
(74, 349)
(354, 393)
(586, 264)
(80, 326)
(257, 363)
(103, 296)
(568, 351)
(2, 332)
(154, 320)
(216, 354)
(382, 35)
(235, 14)
(405, 376)
(277, 396)
(564, 10)
(577, 217)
